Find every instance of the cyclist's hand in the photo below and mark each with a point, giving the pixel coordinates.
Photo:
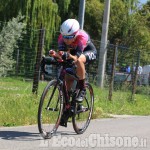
(52, 53)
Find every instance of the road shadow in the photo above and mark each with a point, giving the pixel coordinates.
(20, 136)
(28, 136)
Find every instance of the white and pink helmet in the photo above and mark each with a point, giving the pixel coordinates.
(69, 27)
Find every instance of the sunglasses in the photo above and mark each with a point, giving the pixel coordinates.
(68, 36)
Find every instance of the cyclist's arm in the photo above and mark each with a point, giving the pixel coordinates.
(76, 54)
(74, 57)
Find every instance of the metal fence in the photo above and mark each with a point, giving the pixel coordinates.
(122, 69)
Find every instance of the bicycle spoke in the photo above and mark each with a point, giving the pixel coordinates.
(84, 110)
(50, 110)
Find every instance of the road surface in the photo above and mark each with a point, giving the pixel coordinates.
(119, 133)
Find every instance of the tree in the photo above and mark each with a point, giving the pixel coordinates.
(93, 18)
(36, 13)
(9, 36)
(130, 26)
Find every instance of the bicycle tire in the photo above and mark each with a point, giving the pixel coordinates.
(81, 119)
(50, 109)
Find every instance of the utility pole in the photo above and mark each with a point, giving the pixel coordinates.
(103, 45)
(81, 13)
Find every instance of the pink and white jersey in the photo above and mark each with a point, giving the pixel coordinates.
(80, 43)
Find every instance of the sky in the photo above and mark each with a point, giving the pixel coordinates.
(143, 1)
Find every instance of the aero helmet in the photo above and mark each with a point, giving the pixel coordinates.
(69, 27)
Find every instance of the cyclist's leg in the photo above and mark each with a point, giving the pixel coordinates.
(88, 55)
(81, 67)
(81, 74)
(66, 112)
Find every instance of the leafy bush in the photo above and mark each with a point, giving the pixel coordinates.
(145, 90)
(9, 35)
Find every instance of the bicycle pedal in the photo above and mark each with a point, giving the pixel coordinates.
(81, 108)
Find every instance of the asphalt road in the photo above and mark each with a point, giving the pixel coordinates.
(119, 133)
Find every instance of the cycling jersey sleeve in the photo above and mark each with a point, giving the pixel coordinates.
(61, 44)
(82, 40)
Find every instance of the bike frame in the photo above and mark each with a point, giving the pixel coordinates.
(61, 81)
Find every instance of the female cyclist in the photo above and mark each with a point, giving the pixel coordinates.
(76, 44)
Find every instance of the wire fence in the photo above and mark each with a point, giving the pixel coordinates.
(122, 66)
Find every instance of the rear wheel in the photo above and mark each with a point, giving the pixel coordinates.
(83, 112)
(50, 109)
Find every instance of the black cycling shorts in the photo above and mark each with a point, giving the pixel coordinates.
(90, 52)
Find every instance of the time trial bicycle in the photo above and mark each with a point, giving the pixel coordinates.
(57, 106)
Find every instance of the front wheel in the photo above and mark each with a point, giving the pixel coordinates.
(50, 109)
(83, 113)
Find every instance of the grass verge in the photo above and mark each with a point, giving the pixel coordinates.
(19, 106)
